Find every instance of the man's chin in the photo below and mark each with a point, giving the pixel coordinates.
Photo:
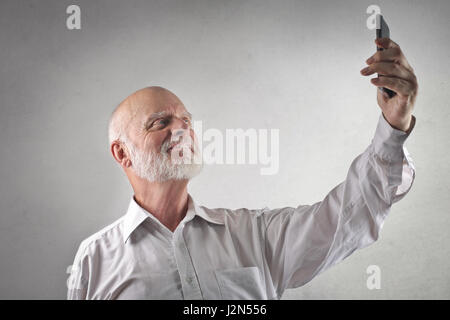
(183, 172)
(167, 166)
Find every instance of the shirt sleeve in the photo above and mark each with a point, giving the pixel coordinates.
(302, 242)
(77, 283)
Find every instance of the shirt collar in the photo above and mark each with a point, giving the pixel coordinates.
(136, 215)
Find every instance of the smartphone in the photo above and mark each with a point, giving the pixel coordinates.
(383, 32)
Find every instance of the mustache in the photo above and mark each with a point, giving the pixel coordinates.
(168, 145)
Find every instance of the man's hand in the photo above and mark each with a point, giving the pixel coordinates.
(396, 74)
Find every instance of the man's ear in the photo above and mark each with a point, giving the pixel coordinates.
(119, 154)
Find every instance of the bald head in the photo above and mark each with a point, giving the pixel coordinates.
(131, 110)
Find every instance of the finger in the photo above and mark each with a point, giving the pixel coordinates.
(385, 43)
(400, 86)
(393, 54)
(389, 55)
(389, 69)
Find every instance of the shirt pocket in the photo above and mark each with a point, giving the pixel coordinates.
(240, 284)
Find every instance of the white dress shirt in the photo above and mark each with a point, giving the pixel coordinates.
(245, 253)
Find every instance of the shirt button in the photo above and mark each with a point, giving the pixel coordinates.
(189, 280)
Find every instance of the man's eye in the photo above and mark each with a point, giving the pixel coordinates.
(161, 122)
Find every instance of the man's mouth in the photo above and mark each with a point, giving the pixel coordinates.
(171, 147)
(174, 145)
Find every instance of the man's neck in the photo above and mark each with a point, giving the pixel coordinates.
(166, 201)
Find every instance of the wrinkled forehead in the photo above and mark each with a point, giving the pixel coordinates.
(171, 109)
(148, 109)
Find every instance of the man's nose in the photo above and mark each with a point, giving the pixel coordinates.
(179, 129)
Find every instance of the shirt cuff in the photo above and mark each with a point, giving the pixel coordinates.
(388, 141)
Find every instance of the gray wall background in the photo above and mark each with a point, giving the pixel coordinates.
(292, 65)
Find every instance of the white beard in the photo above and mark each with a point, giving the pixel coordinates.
(159, 167)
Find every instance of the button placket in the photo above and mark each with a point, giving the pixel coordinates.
(189, 283)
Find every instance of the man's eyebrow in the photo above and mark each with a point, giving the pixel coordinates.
(152, 117)
(187, 114)
(156, 115)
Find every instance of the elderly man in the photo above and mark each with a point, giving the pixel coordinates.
(167, 246)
